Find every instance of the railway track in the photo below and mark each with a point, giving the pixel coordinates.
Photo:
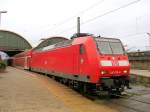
(128, 102)
(120, 101)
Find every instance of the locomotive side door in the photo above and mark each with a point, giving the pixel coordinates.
(76, 60)
(81, 59)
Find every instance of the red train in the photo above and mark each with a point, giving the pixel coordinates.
(23, 59)
(93, 64)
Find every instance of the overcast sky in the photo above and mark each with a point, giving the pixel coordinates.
(128, 20)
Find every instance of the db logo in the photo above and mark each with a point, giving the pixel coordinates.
(115, 64)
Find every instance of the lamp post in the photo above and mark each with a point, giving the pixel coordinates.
(1, 15)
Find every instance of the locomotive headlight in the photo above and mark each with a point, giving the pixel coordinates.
(103, 72)
(123, 63)
(106, 63)
(125, 71)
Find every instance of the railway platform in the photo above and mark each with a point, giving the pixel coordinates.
(24, 91)
(19, 92)
(142, 76)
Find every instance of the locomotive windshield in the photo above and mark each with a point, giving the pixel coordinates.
(109, 46)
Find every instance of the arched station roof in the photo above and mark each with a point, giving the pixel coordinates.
(11, 41)
(50, 41)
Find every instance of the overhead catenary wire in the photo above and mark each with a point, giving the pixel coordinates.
(112, 11)
(104, 14)
(134, 35)
(79, 13)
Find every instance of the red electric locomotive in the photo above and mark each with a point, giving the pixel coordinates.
(90, 63)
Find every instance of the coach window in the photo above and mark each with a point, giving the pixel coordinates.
(82, 50)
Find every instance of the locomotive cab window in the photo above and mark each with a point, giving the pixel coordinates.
(63, 43)
(82, 50)
(109, 46)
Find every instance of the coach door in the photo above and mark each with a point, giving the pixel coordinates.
(26, 63)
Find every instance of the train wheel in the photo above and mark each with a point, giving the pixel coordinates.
(81, 87)
(70, 83)
(114, 94)
(89, 88)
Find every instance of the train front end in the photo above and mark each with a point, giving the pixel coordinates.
(114, 67)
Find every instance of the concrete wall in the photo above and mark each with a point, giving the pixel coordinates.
(143, 65)
(140, 60)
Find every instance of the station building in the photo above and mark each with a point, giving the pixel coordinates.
(13, 43)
